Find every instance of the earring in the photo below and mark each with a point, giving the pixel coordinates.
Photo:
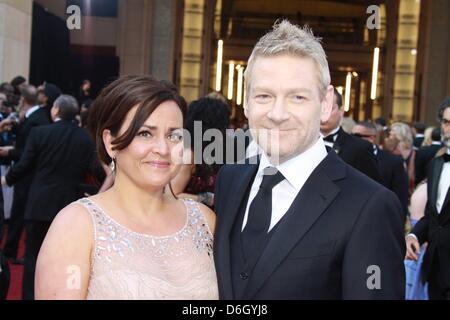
(112, 165)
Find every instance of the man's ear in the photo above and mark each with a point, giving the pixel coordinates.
(246, 109)
(107, 141)
(327, 104)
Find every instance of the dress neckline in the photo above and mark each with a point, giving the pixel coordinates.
(140, 234)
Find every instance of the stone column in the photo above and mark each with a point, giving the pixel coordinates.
(164, 38)
(134, 36)
(15, 38)
(433, 83)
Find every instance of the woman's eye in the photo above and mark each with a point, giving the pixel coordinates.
(175, 137)
(144, 134)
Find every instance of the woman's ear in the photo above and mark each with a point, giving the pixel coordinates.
(107, 141)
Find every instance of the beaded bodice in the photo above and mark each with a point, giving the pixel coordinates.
(130, 265)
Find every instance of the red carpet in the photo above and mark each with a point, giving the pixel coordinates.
(15, 287)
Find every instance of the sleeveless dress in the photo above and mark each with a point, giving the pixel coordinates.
(130, 265)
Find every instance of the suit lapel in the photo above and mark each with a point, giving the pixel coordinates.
(437, 169)
(340, 140)
(230, 212)
(312, 200)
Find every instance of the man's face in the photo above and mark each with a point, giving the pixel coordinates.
(335, 119)
(364, 133)
(445, 127)
(54, 112)
(284, 107)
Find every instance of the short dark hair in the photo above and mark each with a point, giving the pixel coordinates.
(368, 125)
(109, 109)
(419, 126)
(381, 121)
(212, 112)
(338, 98)
(68, 107)
(17, 81)
(52, 92)
(442, 106)
(30, 94)
(436, 134)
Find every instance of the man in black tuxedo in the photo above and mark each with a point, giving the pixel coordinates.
(31, 116)
(300, 223)
(418, 130)
(425, 154)
(59, 154)
(434, 227)
(354, 151)
(390, 166)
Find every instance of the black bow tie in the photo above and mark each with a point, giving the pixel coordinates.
(446, 157)
(330, 138)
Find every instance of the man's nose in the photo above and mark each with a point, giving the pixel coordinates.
(278, 112)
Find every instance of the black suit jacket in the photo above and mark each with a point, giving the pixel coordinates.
(358, 153)
(340, 224)
(37, 118)
(434, 227)
(394, 176)
(60, 155)
(417, 143)
(423, 158)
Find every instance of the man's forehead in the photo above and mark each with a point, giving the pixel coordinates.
(447, 111)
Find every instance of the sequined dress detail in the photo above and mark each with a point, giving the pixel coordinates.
(130, 265)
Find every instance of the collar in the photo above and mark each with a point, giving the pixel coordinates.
(420, 135)
(436, 143)
(332, 133)
(31, 110)
(307, 161)
(57, 119)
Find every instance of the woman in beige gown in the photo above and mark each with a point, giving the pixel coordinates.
(133, 241)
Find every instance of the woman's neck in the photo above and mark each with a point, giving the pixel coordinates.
(135, 200)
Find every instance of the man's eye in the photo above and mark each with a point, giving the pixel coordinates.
(299, 98)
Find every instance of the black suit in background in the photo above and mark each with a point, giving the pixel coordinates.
(394, 177)
(59, 154)
(434, 228)
(37, 118)
(340, 224)
(423, 158)
(417, 143)
(358, 153)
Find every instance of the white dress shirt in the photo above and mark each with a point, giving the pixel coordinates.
(296, 171)
(444, 184)
(31, 110)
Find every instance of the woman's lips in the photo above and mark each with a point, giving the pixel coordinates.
(159, 164)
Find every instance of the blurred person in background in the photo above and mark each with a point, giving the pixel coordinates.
(197, 179)
(401, 132)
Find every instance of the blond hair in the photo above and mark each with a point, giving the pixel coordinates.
(287, 38)
(403, 133)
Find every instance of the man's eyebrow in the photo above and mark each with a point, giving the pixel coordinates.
(293, 89)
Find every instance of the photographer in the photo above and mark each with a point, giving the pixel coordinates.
(30, 116)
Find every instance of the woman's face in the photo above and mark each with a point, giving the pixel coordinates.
(154, 156)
